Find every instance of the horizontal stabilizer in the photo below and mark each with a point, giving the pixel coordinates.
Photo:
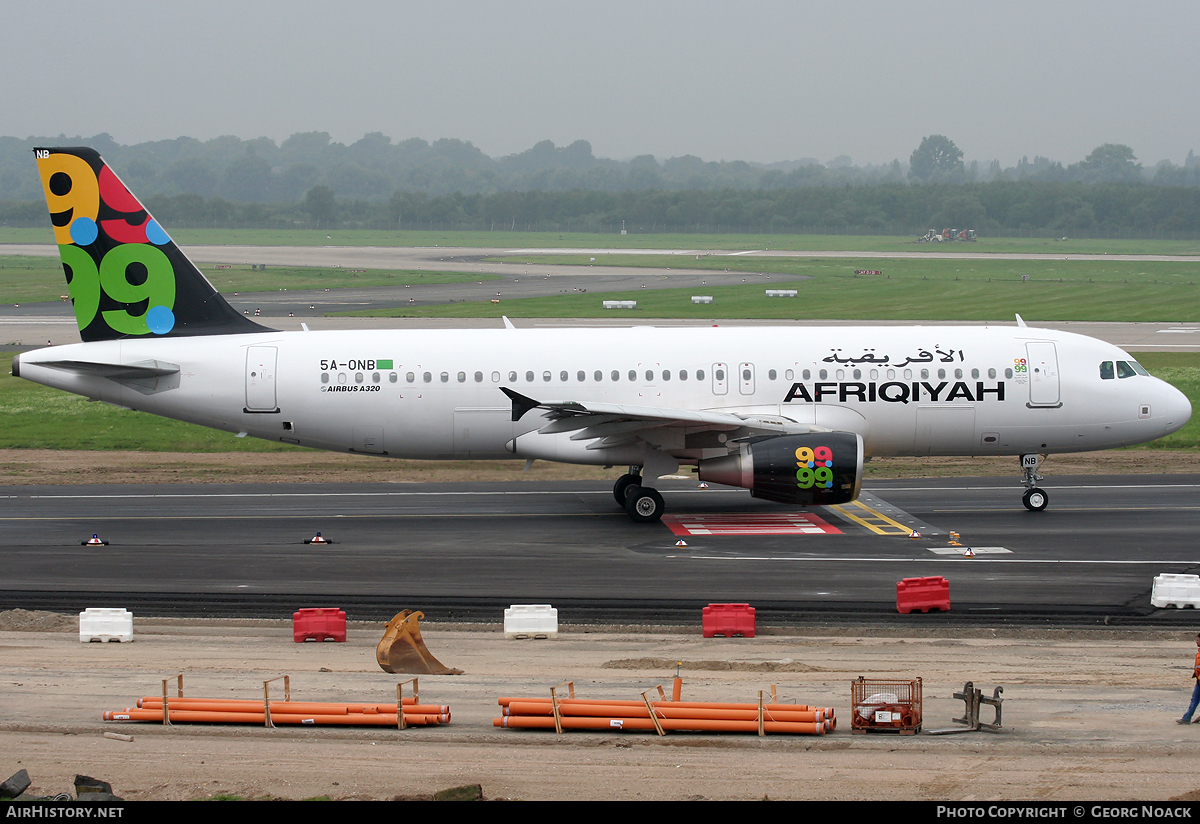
(115, 371)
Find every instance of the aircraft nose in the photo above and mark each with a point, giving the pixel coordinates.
(1178, 410)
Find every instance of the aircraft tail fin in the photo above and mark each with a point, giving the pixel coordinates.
(126, 277)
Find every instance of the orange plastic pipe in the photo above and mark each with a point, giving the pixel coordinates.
(610, 710)
(646, 724)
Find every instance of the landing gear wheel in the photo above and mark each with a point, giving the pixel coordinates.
(1035, 499)
(643, 504)
(623, 483)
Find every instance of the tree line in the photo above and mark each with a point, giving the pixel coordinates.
(1029, 208)
(308, 180)
(375, 167)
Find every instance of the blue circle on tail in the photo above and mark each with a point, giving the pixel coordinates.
(84, 231)
(161, 320)
(155, 234)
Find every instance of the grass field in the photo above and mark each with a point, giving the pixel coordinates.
(37, 417)
(585, 240)
(1056, 290)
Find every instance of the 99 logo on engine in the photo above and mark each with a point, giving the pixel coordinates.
(814, 467)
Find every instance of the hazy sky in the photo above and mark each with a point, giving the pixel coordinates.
(762, 81)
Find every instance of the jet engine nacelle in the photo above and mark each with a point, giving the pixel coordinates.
(817, 469)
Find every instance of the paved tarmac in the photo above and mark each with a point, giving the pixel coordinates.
(463, 551)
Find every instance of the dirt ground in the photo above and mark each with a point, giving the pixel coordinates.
(1086, 715)
(48, 466)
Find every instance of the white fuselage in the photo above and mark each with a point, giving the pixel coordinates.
(908, 390)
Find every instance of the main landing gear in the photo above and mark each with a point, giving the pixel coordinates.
(643, 503)
(1035, 499)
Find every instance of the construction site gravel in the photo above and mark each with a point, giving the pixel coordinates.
(1087, 715)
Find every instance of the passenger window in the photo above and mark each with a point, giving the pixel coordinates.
(445, 377)
(771, 373)
(666, 374)
(410, 377)
(891, 374)
(393, 377)
(699, 374)
(823, 374)
(375, 377)
(924, 374)
(358, 377)
(546, 377)
(683, 374)
(496, 377)
(598, 375)
(616, 376)
(562, 376)
(857, 374)
(581, 376)
(789, 375)
(478, 377)
(632, 375)
(975, 373)
(807, 374)
(941, 374)
(991, 373)
(529, 377)
(1008, 372)
(908, 374)
(324, 377)
(958, 374)
(1106, 371)
(719, 374)
(462, 377)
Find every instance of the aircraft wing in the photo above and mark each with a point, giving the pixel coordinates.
(589, 421)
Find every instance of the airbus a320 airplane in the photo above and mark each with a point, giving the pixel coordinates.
(787, 413)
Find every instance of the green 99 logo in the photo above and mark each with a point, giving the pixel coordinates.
(814, 467)
(131, 273)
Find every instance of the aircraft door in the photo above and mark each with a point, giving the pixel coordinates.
(720, 378)
(746, 378)
(260, 378)
(1043, 374)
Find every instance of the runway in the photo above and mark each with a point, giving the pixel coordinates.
(465, 551)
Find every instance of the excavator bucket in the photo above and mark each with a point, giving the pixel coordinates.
(403, 651)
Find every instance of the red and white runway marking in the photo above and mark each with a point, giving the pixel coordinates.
(781, 523)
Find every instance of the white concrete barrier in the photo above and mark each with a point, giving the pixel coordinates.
(531, 621)
(1179, 591)
(105, 625)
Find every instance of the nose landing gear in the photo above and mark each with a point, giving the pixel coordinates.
(1034, 499)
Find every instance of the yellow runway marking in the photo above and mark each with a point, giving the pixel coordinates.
(871, 519)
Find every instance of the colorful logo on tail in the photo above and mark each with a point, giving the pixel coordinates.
(110, 247)
(125, 275)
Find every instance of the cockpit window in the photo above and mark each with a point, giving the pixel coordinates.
(1106, 371)
(1137, 367)
(1124, 370)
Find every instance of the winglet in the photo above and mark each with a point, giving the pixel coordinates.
(1020, 320)
(520, 403)
(508, 324)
